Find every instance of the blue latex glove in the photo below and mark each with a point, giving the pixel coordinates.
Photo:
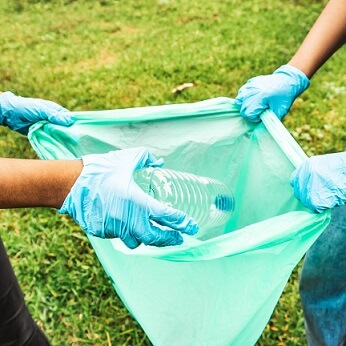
(19, 113)
(106, 202)
(320, 182)
(276, 91)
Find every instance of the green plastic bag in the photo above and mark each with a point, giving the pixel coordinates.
(220, 287)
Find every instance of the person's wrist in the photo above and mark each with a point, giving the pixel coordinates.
(298, 78)
(68, 179)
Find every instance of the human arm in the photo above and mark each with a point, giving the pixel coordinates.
(327, 35)
(320, 181)
(36, 183)
(19, 113)
(279, 90)
(99, 193)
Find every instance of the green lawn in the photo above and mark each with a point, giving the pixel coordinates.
(111, 54)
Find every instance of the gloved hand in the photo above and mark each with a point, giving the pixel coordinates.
(106, 202)
(18, 113)
(320, 182)
(276, 91)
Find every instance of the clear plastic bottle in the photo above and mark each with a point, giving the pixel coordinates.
(209, 201)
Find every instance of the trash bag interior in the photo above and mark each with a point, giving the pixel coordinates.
(220, 286)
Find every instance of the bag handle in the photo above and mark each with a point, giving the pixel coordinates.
(283, 138)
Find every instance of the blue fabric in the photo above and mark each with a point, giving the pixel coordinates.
(323, 285)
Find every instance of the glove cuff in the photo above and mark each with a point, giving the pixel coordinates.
(301, 81)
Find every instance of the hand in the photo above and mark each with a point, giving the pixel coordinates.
(276, 91)
(18, 113)
(320, 182)
(106, 202)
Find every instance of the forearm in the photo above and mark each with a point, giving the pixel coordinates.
(36, 183)
(327, 35)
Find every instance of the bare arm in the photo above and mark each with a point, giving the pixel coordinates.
(36, 183)
(327, 35)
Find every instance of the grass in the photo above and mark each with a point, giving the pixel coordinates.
(112, 54)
